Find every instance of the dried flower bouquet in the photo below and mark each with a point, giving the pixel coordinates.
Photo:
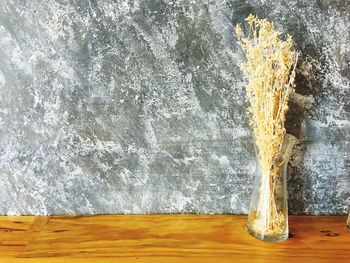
(270, 69)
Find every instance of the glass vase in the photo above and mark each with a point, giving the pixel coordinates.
(268, 212)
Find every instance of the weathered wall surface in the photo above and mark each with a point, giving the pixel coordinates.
(139, 106)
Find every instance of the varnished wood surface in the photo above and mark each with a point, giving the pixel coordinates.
(167, 238)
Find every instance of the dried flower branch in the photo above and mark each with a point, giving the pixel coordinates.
(270, 68)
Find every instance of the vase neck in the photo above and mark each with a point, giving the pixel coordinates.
(283, 155)
(287, 146)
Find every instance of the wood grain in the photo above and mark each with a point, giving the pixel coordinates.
(17, 232)
(167, 238)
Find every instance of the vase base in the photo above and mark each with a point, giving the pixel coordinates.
(279, 238)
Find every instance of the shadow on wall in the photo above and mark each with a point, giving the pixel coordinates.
(300, 103)
(307, 96)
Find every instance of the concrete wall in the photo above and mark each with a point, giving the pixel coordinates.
(139, 106)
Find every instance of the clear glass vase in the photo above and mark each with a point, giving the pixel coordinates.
(268, 212)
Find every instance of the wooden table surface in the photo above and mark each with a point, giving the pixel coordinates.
(167, 238)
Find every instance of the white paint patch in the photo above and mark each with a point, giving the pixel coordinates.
(236, 203)
(2, 79)
(223, 160)
(150, 135)
(179, 201)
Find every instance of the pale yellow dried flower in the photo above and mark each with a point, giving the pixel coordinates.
(270, 68)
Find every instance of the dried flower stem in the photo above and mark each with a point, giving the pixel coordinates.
(270, 68)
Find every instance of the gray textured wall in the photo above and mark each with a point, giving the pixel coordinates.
(139, 106)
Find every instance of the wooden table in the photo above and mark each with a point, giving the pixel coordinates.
(167, 238)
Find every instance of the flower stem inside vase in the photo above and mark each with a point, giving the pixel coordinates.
(268, 216)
